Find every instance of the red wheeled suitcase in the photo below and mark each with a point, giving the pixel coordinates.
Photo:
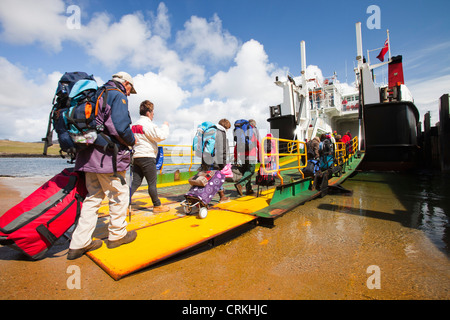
(34, 225)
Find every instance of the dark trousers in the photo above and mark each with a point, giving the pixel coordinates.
(145, 167)
(247, 170)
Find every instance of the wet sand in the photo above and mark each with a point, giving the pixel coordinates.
(321, 250)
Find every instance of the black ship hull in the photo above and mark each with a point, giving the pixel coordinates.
(391, 136)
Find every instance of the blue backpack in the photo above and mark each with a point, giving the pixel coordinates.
(79, 118)
(73, 113)
(244, 136)
(312, 167)
(204, 139)
(326, 151)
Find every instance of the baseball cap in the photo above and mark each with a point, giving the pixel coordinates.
(123, 76)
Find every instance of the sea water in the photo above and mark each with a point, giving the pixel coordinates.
(45, 167)
(32, 167)
(416, 200)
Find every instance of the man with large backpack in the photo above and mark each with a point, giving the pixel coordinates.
(246, 153)
(105, 168)
(215, 150)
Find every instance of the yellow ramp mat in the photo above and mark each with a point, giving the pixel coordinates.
(248, 204)
(138, 201)
(141, 219)
(161, 241)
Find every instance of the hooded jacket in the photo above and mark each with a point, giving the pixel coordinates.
(221, 153)
(115, 118)
(314, 148)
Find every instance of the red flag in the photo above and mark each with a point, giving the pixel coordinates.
(383, 51)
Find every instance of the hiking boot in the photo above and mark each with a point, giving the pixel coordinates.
(160, 209)
(129, 237)
(77, 253)
(239, 189)
(223, 198)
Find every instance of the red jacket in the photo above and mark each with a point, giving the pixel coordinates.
(345, 138)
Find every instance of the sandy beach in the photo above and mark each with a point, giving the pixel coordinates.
(312, 253)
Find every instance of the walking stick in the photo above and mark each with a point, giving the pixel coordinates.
(131, 184)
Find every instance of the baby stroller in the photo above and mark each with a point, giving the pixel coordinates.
(205, 185)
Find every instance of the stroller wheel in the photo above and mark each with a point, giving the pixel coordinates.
(203, 212)
(187, 209)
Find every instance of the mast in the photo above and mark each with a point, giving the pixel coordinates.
(359, 58)
(303, 57)
(359, 48)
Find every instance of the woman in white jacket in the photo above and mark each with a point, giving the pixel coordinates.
(147, 135)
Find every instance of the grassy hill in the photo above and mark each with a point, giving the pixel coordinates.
(15, 148)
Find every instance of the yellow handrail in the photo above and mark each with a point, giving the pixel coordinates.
(343, 151)
(296, 151)
(295, 148)
(340, 152)
(355, 144)
(180, 154)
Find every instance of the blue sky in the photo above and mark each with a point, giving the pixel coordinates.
(203, 60)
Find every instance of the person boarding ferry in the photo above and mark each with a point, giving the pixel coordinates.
(97, 164)
(147, 136)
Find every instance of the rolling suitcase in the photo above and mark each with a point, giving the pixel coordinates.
(36, 223)
(200, 197)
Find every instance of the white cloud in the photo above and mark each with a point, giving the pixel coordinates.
(314, 72)
(250, 79)
(163, 91)
(25, 103)
(207, 40)
(132, 40)
(30, 21)
(244, 91)
(113, 42)
(139, 43)
(161, 23)
(22, 92)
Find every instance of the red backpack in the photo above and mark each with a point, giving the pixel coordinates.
(34, 225)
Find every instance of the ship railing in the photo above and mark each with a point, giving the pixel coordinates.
(344, 151)
(355, 144)
(352, 147)
(179, 155)
(347, 108)
(340, 153)
(270, 154)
